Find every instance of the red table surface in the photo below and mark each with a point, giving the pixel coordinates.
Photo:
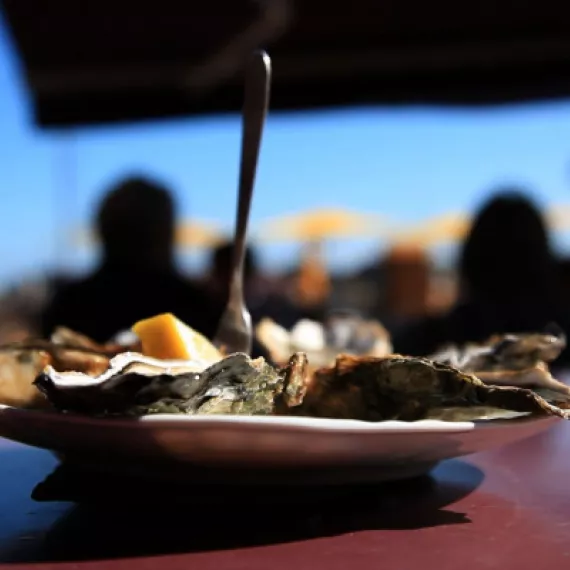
(508, 508)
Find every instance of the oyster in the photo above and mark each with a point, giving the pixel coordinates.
(21, 362)
(70, 350)
(360, 388)
(138, 385)
(407, 389)
(322, 342)
(18, 371)
(511, 359)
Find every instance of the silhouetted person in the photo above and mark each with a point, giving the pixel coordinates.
(137, 277)
(508, 280)
(563, 267)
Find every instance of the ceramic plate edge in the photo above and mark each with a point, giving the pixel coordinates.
(318, 424)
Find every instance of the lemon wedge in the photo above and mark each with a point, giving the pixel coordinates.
(167, 338)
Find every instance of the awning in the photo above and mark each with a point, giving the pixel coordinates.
(93, 62)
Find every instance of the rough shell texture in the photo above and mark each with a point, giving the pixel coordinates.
(408, 389)
(360, 388)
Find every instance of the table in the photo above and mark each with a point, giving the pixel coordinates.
(507, 509)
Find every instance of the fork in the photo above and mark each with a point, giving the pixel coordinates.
(234, 332)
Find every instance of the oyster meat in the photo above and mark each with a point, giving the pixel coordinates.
(322, 342)
(511, 359)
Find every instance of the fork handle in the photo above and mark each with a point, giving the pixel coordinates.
(256, 102)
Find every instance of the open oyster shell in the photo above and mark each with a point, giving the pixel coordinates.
(137, 385)
(322, 342)
(511, 359)
(360, 388)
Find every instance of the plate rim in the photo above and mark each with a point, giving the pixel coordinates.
(322, 425)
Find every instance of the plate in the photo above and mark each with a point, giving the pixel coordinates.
(260, 449)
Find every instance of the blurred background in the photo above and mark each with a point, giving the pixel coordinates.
(391, 125)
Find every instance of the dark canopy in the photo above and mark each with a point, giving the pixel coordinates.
(102, 61)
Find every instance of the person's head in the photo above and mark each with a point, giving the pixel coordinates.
(507, 253)
(221, 263)
(136, 223)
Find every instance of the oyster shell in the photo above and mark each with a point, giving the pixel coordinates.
(69, 350)
(18, 370)
(511, 359)
(21, 362)
(137, 385)
(360, 388)
(407, 389)
(322, 342)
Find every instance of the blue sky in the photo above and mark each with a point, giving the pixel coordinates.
(407, 163)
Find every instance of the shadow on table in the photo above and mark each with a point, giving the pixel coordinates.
(201, 519)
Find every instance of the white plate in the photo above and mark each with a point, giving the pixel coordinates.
(260, 449)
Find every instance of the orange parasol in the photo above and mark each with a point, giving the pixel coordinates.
(196, 234)
(434, 231)
(321, 224)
